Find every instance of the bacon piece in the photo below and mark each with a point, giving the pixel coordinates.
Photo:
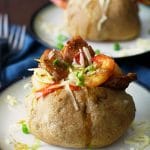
(58, 70)
(72, 48)
(146, 2)
(120, 82)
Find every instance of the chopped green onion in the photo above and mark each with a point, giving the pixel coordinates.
(80, 78)
(56, 62)
(79, 83)
(25, 128)
(89, 68)
(117, 46)
(59, 45)
(61, 38)
(97, 51)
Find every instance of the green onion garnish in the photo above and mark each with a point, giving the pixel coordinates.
(61, 38)
(80, 78)
(56, 62)
(97, 51)
(59, 45)
(89, 68)
(117, 46)
(79, 83)
(25, 128)
(80, 75)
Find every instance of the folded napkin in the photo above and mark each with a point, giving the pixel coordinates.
(140, 65)
(18, 65)
(143, 73)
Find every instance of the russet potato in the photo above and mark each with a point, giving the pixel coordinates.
(122, 21)
(103, 116)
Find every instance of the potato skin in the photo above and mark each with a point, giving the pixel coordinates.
(122, 23)
(104, 115)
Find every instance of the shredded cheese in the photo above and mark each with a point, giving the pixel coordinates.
(43, 76)
(27, 85)
(74, 62)
(20, 146)
(38, 60)
(51, 54)
(11, 100)
(12, 138)
(87, 54)
(32, 69)
(140, 136)
(72, 78)
(86, 3)
(143, 43)
(67, 87)
(104, 6)
(82, 63)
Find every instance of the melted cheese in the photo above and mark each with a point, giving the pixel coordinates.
(104, 6)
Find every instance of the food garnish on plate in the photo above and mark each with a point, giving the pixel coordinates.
(78, 98)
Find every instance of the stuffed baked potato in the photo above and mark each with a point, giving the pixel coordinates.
(78, 98)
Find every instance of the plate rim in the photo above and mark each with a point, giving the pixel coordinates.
(135, 84)
(31, 25)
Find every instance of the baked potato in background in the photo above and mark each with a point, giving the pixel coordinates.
(103, 117)
(122, 21)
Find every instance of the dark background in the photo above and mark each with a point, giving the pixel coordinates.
(21, 11)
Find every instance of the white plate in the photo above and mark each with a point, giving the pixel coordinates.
(10, 115)
(49, 21)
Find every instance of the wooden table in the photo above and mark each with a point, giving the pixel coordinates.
(20, 11)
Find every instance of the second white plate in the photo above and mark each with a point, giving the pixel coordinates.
(49, 21)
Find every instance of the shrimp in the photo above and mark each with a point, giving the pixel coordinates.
(60, 3)
(108, 74)
(53, 62)
(104, 66)
(73, 47)
(119, 80)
